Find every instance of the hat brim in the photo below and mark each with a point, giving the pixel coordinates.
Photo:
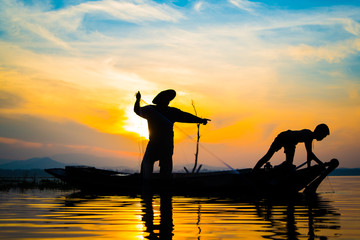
(164, 96)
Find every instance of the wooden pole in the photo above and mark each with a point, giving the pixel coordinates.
(197, 141)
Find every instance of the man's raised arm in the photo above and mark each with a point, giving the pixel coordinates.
(137, 103)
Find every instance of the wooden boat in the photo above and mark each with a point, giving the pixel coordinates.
(277, 180)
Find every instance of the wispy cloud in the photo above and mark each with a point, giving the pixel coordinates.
(350, 25)
(245, 5)
(198, 6)
(250, 64)
(62, 25)
(331, 53)
(135, 11)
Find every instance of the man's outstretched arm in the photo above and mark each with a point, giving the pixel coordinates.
(190, 118)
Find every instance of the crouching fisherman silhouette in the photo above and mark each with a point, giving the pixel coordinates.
(161, 119)
(289, 139)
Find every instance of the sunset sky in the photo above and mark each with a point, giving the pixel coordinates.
(69, 71)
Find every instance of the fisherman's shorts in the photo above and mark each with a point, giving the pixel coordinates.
(282, 141)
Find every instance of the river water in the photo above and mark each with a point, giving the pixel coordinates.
(45, 214)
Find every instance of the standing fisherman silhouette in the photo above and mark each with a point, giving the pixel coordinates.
(161, 119)
(289, 139)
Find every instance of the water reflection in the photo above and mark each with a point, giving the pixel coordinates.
(164, 230)
(163, 216)
(288, 219)
(300, 218)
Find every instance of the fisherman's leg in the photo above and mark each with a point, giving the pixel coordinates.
(147, 164)
(166, 162)
(289, 152)
(166, 166)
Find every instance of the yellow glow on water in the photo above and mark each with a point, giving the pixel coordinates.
(44, 215)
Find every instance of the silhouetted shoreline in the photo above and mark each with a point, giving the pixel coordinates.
(29, 179)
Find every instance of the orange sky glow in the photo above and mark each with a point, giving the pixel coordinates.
(68, 78)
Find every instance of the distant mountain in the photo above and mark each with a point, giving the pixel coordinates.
(95, 161)
(33, 163)
(3, 161)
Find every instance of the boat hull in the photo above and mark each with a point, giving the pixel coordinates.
(243, 181)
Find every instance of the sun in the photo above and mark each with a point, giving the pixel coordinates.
(136, 124)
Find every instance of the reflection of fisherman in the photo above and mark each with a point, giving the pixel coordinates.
(289, 139)
(161, 119)
(164, 230)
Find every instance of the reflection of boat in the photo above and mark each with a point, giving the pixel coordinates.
(293, 218)
(243, 181)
